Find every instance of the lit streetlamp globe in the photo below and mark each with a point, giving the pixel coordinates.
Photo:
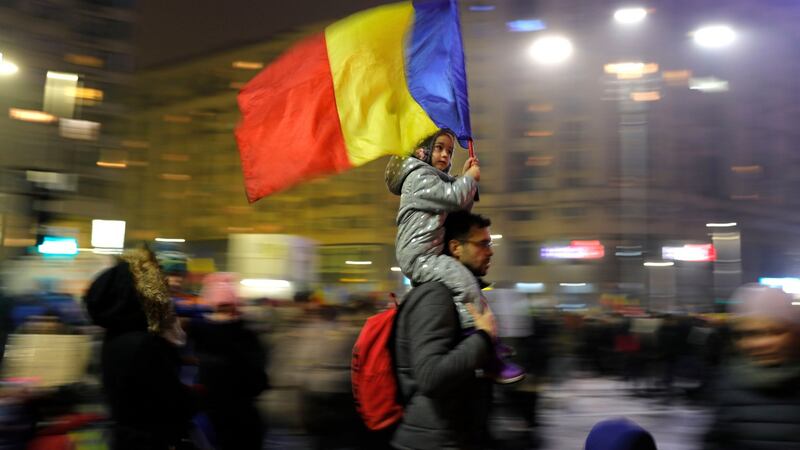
(714, 36)
(630, 16)
(551, 50)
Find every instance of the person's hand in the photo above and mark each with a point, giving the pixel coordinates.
(474, 169)
(469, 163)
(484, 320)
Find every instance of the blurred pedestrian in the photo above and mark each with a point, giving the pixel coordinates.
(446, 402)
(757, 403)
(151, 408)
(6, 322)
(231, 366)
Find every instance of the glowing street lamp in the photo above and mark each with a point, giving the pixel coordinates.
(630, 16)
(714, 36)
(551, 50)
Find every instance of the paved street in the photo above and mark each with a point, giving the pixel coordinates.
(567, 413)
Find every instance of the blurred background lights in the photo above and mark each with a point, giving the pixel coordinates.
(630, 70)
(530, 287)
(721, 224)
(629, 16)
(7, 67)
(264, 283)
(27, 115)
(709, 84)
(690, 252)
(551, 50)
(659, 264)
(714, 36)
(108, 233)
(482, 8)
(62, 76)
(58, 246)
(525, 25)
(790, 285)
(248, 65)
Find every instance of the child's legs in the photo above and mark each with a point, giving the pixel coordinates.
(456, 277)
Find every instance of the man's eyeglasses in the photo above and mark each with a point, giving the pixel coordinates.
(481, 244)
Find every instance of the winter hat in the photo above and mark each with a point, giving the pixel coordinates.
(762, 301)
(172, 262)
(220, 289)
(619, 434)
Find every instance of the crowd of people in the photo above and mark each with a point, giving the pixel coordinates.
(182, 372)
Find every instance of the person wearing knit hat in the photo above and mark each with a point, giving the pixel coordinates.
(231, 365)
(150, 407)
(757, 402)
(173, 264)
(619, 434)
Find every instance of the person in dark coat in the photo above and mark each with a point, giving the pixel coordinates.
(150, 407)
(446, 401)
(757, 403)
(231, 366)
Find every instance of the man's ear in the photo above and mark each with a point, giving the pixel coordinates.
(419, 153)
(455, 248)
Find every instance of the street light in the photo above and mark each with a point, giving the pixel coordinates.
(659, 264)
(721, 224)
(630, 16)
(551, 50)
(714, 36)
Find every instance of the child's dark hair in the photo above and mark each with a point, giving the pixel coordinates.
(458, 225)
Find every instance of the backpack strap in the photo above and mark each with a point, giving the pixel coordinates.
(401, 399)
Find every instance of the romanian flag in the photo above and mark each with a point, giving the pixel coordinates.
(372, 84)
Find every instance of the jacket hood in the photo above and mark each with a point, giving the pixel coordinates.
(131, 296)
(399, 168)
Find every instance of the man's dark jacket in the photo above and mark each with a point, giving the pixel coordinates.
(447, 404)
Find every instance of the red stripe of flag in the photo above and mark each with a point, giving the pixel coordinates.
(290, 128)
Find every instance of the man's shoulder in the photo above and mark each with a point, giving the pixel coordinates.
(432, 292)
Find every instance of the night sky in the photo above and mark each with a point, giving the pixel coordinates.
(178, 29)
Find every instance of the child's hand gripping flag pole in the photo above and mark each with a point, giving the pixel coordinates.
(370, 85)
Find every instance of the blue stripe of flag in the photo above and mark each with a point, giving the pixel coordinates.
(435, 70)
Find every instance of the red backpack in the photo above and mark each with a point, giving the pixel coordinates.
(372, 372)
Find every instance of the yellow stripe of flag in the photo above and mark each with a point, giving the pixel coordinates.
(376, 110)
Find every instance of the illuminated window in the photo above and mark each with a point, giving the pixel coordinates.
(84, 60)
